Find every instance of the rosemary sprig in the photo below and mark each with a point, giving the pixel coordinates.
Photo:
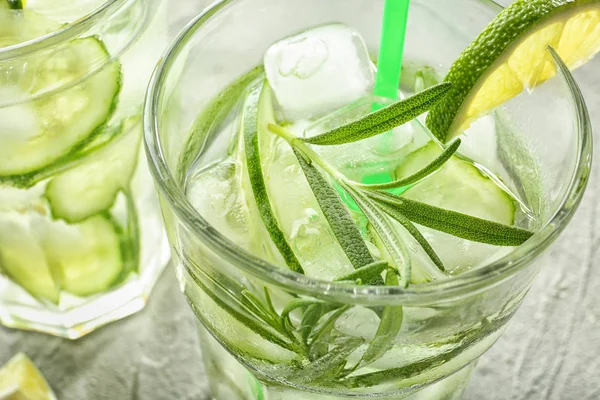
(366, 273)
(307, 326)
(379, 206)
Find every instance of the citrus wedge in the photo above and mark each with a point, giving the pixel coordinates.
(21, 380)
(510, 55)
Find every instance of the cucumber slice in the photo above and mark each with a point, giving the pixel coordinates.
(219, 312)
(294, 218)
(66, 162)
(22, 258)
(457, 186)
(67, 120)
(93, 186)
(87, 256)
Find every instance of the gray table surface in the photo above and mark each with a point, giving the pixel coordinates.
(550, 350)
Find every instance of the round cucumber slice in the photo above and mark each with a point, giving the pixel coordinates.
(93, 186)
(258, 112)
(66, 120)
(286, 204)
(22, 258)
(87, 256)
(457, 186)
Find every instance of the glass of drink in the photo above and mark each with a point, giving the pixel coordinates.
(81, 238)
(292, 302)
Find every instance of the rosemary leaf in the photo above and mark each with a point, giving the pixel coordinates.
(311, 317)
(295, 304)
(319, 341)
(412, 229)
(452, 222)
(384, 229)
(328, 366)
(366, 273)
(340, 221)
(383, 120)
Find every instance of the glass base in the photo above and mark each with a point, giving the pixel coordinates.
(18, 309)
(230, 380)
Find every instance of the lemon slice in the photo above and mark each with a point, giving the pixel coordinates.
(21, 380)
(510, 55)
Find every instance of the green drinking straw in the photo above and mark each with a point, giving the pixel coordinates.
(391, 48)
(389, 65)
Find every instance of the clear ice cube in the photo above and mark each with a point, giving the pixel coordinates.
(319, 71)
(214, 193)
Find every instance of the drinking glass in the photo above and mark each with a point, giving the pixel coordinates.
(81, 237)
(238, 298)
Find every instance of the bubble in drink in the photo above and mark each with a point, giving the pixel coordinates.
(318, 71)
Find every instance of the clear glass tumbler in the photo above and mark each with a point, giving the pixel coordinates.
(81, 237)
(237, 297)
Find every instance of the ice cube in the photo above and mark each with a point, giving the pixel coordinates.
(318, 71)
(214, 193)
(19, 122)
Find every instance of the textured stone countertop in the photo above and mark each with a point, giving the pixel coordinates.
(550, 350)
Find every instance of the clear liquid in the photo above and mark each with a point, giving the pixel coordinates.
(216, 186)
(434, 341)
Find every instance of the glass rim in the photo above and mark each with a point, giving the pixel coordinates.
(469, 282)
(67, 32)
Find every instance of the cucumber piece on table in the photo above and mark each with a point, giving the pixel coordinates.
(92, 186)
(63, 122)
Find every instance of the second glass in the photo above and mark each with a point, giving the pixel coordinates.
(81, 238)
